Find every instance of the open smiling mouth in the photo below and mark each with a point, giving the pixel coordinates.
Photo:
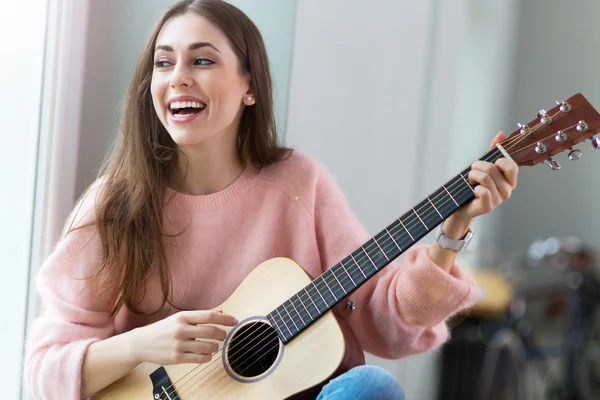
(185, 110)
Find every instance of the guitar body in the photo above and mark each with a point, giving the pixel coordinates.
(308, 360)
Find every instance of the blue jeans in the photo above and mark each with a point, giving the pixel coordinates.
(365, 382)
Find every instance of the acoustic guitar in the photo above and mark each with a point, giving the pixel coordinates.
(288, 340)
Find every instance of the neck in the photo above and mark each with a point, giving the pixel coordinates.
(207, 169)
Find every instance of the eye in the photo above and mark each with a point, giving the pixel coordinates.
(203, 61)
(161, 64)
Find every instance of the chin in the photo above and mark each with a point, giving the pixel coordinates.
(185, 139)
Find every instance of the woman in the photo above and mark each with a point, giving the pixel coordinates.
(195, 194)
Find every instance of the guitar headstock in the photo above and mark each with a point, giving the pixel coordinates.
(554, 131)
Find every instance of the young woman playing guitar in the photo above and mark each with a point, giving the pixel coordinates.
(195, 194)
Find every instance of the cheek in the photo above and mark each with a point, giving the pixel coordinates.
(157, 92)
(230, 96)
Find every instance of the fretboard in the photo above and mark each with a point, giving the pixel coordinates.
(335, 284)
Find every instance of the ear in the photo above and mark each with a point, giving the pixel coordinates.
(249, 98)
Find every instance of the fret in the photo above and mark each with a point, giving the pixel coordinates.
(379, 258)
(327, 295)
(467, 182)
(333, 294)
(402, 223)
(444, 186)
(337, 280)
(380, 249)
(369, 257)
(313, 302)
(346, 271)
(394, 240)
(358, 265)
(317, 289)
(292, 319)
(306, 309)
(271, 319)
(295, 309)
(284, 324)
(434, 207)
(430, 216)
(418, 216)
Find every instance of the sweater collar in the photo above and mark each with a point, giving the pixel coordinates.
(213, 200)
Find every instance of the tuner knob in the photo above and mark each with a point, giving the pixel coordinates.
(525, 130)
(582, 126)
(575, 154)
(541, 148)
(595, 143)
(554, 166)
(564, 106)
(544, 117)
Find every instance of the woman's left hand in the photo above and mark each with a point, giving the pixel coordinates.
(495, 183)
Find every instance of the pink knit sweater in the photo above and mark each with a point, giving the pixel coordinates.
(292, 209)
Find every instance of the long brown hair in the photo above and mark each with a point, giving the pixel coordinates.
(144, 159)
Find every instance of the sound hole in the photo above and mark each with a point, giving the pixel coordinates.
(253, 349)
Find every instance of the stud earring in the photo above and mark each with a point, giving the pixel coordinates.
(249, 98)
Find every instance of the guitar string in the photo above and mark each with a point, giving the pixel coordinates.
(534, 144)
(507, 142)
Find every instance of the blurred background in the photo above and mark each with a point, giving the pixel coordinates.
(395, 97)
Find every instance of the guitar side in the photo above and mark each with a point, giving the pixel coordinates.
(306, 361)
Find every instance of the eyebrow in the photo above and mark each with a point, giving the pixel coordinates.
(192, 46)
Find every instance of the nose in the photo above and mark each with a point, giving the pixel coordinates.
(181, 76)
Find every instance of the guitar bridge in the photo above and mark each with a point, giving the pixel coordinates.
(163, 389)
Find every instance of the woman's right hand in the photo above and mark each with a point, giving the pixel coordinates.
(184, 337)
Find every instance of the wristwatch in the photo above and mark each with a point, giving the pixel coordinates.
(451, 244)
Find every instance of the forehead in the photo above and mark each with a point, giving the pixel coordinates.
(180, 31)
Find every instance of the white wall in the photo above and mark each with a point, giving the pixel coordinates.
(395, 97)
(557, 57)
(21, 74)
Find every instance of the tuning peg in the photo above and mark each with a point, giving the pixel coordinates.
(595, 143)
(564, 106)
(525, 129)
(582, 126)
(575, 154)
(544, 117)
(554, 166)
(561, 136)
(540, 148)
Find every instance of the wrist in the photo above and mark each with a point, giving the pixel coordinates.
(456, 226)
(132, 350)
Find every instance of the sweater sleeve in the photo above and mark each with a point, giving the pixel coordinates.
(73, 316)
(402, 309)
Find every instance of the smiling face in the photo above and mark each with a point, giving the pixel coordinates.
(197, 88)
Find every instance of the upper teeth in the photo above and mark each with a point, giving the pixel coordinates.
(176, 105)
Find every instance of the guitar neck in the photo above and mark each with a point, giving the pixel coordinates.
(335, 284)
